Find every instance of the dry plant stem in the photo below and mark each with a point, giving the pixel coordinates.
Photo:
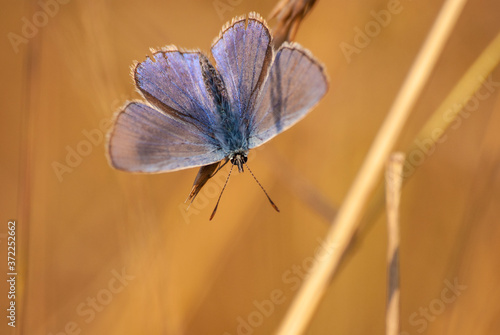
(289, 14)
(393, 182)
(441, 119)
(347, 220)
(469, 84)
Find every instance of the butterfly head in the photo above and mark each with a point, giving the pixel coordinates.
(238, 159)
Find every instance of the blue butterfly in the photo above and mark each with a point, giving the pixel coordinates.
(198, 114)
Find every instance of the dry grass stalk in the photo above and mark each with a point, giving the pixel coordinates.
(442, 118)
(447, 113)
(349, 215)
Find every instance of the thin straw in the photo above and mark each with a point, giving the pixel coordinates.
(393, 182)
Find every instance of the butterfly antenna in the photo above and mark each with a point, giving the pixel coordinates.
(267, 195)
(223, 188)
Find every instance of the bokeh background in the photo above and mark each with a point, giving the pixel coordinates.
(105, 252)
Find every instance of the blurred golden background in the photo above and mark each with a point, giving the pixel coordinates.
(105, 252)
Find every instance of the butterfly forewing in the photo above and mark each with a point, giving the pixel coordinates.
(243, 54)
(175, 79)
